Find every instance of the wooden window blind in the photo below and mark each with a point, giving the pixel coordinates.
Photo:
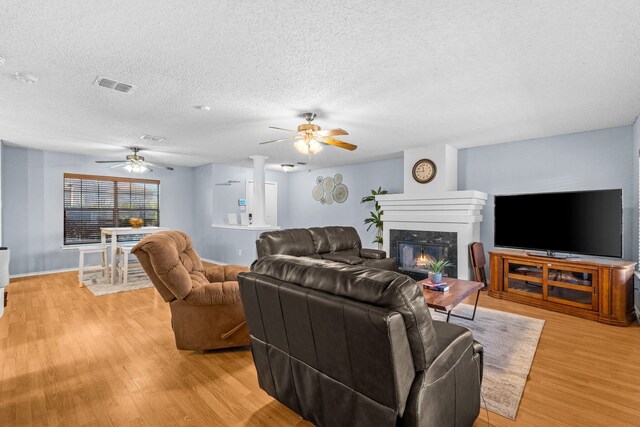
(92, 202)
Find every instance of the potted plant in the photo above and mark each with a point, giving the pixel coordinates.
(436, 267)
(375, 217)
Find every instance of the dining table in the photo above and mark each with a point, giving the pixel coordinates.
(114, 232)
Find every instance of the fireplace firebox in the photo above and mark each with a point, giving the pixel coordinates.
(413, 248)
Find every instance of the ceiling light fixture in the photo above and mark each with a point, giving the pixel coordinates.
(287, 167)
(26, 77)
(202, 107)
(136, 168)
(308, 145)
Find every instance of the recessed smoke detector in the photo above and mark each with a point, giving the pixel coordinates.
(202, 107)
(112, 84)
(152, 138)
(26, 77)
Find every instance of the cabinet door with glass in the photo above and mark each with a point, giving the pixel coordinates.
(523, 278)
(574, 286)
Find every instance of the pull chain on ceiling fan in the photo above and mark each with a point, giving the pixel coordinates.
(310, 138)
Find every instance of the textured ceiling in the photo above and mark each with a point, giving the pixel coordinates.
(395, 75)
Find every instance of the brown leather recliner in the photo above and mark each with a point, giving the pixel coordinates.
(206, 310)
(335, 243)
(346, 345)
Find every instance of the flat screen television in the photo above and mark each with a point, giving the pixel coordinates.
(580, 222)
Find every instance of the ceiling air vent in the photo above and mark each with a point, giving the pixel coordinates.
(152, 138)
(112, 84)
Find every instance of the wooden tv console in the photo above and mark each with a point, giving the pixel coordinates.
(593, 288)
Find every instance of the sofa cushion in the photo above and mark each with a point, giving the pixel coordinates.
(384, 264)
(373, 286)
(347, 259)
(294, 241)
(214, 293)
(320, 240)
(342, 238)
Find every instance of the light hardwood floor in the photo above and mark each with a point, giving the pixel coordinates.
(70, 358)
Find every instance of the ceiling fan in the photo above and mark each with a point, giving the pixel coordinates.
(134, 163)
(310, 139)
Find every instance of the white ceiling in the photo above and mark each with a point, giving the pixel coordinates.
(394, 74)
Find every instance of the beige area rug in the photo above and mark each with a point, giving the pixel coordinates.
(98, 285)
(510, 343)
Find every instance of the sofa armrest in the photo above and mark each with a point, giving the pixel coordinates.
(224, 273)
(372, 253)
(448, 391)
(346, 259)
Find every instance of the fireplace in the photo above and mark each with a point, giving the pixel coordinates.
(412, 248)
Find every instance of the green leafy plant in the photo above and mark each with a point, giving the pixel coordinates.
(375, 216)
(437, 266)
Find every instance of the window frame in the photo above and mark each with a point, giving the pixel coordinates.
(113, 179)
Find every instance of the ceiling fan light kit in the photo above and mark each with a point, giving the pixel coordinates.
(134, 163)
(311, 139)
(136, 168)
(308, 146)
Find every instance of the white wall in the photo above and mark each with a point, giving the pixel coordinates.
(32, 184)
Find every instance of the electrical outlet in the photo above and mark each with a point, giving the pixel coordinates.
(239, 252)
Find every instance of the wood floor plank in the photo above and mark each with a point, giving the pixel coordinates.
(71, 358)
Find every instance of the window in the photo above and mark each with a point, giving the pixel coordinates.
(92, 202)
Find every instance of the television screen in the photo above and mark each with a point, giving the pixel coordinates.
(585, 222)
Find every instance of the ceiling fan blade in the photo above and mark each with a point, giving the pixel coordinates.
(279, 140)
(331, 132)
(338, 143)
(117, 166)
(155, 165)
(109, 161)
(288, 130)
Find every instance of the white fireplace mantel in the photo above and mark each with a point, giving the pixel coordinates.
(453, 211)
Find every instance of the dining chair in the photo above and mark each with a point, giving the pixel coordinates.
(478, 262)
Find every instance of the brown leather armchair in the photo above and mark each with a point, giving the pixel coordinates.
(334, 243)
(206, 310)
(346, 345)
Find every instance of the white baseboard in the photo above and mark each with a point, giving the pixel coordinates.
(65, 270)
(213, 261)
(42, 273)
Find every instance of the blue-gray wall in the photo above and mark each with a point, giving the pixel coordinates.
(582, 161)
(635, 155)
(296, 207)
(213, 202)
(360, 179)
(32, 203)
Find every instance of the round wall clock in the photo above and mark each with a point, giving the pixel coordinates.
(424, 171)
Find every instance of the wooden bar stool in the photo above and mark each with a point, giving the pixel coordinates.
(104, 266)
(123, 254)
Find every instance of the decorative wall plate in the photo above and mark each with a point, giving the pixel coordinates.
(340, 193)
(328, 184)
(317, 193)
(330, 189)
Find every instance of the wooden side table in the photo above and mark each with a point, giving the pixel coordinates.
(459, 290)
